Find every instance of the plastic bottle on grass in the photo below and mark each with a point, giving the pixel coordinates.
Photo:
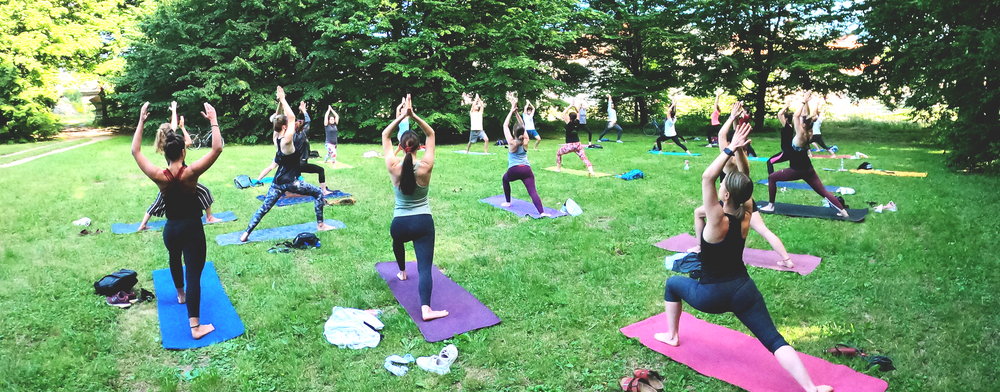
(687, 165)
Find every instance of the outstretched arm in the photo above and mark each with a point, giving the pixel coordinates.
(173, 116)
(336, 116)
(201, 165)
(326, 116)
(709, 193)
(286, 145)
(187, 137)
(429, 145)
(147, 167)
(740, 157)
(566, 114)
(506, 127)
(800, 131)
(717, 108)
(390, 158)
(724, 131)
(781, 113)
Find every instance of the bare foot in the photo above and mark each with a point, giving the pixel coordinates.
(429, 314)
(322, 226)
(694, 249)
(181, 297)
(590, 173)
(212, 219)
(689, 152)
(401, 275)
(143, 227)
(558, 169)
(201, 330)
(844, 214)
(504, 205)
(546, 214)
(672, 340)
(786, 263)
(824, 388)
(769, 208)
(244, 237)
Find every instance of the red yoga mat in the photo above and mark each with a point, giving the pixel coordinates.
(804, 264)
(741, 360)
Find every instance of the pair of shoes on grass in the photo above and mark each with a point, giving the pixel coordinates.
(644, 380)
(123, 299)
(441, 363)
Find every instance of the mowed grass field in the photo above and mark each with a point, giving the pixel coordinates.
(919, 284)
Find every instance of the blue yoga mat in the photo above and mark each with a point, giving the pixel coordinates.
(287, 201)
(673, 153)
(127, 228)
(216, 309)
(804, 186)
(274, 233)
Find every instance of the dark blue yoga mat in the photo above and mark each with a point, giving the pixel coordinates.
(127, 228)
(804, 186)
(521, 207)
(673, 153)
(287, 201)
(216, 309)
(856, 215)
(274, 233)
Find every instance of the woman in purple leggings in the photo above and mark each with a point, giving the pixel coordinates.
(518, 168)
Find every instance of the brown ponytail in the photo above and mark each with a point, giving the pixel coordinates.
(740, 189)
(409, 142)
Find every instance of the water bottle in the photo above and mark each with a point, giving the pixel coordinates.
(841, 164)
(687, 165)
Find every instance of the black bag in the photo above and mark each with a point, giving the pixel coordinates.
(242, 181)
(313, 154)
(865, 166)
(305, 240)
(122, 280)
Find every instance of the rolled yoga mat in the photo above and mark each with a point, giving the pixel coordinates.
(520, 207)
(804, 264)
(465, 312)
(856, 215)
(576, 172)
(803, 186)
(126, 228)
(287, 201)
(741, 360)
(674, 153)
(274, 233)
(216, 309)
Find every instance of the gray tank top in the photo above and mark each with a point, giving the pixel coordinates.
(517, 158)
(582, 116)
(415, 204)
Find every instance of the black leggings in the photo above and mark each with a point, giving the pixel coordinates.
(187, 237)
(314, 168)
(739, 296)
(818, 139)
(776, 158)
(420, 230)
(675, 138)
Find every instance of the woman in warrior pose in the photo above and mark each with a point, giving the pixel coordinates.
(518, 168)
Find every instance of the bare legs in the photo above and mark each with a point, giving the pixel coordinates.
(672, 336)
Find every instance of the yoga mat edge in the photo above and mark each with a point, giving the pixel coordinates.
(216, 309)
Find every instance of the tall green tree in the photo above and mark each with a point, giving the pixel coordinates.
(941, 59)
(362, 56)
(38, 40)
(637, 48)
(750, 47)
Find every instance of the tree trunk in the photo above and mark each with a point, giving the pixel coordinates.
(760, 99)
(642, 110)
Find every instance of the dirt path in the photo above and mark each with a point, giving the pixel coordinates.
(29, 159)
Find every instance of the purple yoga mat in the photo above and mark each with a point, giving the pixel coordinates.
(521, 207)
(465, 312)
(804, 264)
(741, 360)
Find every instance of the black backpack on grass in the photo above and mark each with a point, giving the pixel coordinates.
(242, 181)
(111, 284)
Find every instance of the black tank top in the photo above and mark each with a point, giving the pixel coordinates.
(571, 132)
(723, 261)
(787, 134)
(180, 203)
(799, 160)
(288, 167)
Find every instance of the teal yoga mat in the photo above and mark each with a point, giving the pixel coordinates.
(127, 228)
(274, 233)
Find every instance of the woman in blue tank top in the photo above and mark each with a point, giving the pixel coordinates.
(412, 219)
(726, 286)
(518, 168)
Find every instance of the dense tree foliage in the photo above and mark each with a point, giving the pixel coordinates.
(38, 39)
(940, 58)
(362, 56)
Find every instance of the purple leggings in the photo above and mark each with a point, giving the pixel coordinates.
(524, 174)
(808, 175)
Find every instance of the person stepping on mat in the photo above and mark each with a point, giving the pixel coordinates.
(158, 208)
(573, 141)
(330, 121)
(800, 165)
(726, 286)
(286, 179)
(669, 132)
(183, 234)
(411, 217)
(529, 123)
(741, 164)
(612, 121)
(518, 167)
(476, 132)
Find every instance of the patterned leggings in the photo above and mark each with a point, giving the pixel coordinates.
(275, 192)
(331, 152)
(574, 147)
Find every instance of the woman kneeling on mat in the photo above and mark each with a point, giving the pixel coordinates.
(726, 286)
(286, 179)
(741, 164)
(518, 167)
(573, 141)
(183, 234)
(799, 164)
(411, 217)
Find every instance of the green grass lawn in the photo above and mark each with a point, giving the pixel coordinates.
(918, 284)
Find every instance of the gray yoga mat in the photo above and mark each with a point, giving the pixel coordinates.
(521, 207)
(274, 233)
(856, 215)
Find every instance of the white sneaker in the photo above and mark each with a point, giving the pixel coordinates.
(620, 141)
(449, 353)
(434, 364)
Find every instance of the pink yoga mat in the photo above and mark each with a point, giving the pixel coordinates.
(804, 264)
(741, 360)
